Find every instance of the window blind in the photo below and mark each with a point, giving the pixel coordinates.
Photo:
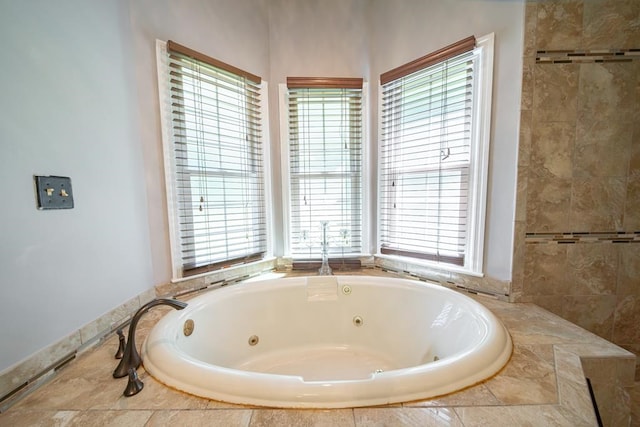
(217, 158)
(425, 157)
(325, 155)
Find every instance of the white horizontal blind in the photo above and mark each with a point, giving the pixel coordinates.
(325, 153)
(425, 161)
(217, 150)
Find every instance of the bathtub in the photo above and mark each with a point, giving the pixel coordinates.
(327, 342)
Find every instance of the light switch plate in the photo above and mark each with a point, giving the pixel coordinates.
(54, 192)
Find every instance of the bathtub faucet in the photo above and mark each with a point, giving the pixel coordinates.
(325, 269)
(131, 359)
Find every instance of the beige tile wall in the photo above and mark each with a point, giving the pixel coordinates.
(579, 168)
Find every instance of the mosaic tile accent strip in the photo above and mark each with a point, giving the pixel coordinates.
(586, 237)
(585, 56)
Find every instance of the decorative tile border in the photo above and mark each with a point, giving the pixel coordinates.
(582, 237)
(586, 56)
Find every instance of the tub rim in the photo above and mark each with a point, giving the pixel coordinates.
(249, 388)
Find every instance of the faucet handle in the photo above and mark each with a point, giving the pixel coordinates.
(121, 344)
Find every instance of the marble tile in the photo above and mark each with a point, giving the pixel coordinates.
(524, 145)
(627, 313)
(559, 25)
(109, 320)
(306, 417)
(198, 418)
(555, 93)
(545, 269)
(607, 92)
(572, 386)
(528, 83)
(75, 418)
(522, 187)
(476, 395)
(634, 164)
(599, 370)
(530, 27)
(592, 269)
(20, 373)
(597, 204)
(549, 302)
(418, 417)
(111, 418)
(611, 24)
(510, 416)
(629, 270)
(33, 418)
(528, 378)
(595, 313)
(605, 157)
(552, 146)
(519, 248)
(632, 201)
(548, 200)
(635, 404)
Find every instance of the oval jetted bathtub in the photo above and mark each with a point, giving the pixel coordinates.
(327, 342)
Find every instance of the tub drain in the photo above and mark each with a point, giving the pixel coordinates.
(253, 340)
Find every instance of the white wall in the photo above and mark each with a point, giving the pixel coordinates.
(68, 108)
(232, 31)
(311, 38)
(402, 31)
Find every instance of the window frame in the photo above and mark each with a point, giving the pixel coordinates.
(177, 240)
(478, 172)
(365, 218)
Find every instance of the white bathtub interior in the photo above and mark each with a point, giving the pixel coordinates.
(324, 342)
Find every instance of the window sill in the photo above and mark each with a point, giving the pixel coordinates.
(406, 263)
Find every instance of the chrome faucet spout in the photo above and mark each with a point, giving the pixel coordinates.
(131, 358)
(325, 269)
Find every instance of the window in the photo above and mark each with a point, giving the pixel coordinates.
(324, 128)
(434, 153)
(213, 160)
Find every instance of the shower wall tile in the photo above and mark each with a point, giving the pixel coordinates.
(627, 327)
(555, 92)
(559, 25)
(629, 271)
(530, 25)
(550, 303)
(552, 145)
(592, 269)
(524, 147)
(521, 194)
(634, 163)
(545, 269)
(548, 202)
(594, 313)
(518, 261)
(591, 186)
(607, 91)
(603, 148)
(597, 204)
(632, 206)
(606, 24)
(528, 83)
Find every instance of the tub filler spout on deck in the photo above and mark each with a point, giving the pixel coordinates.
(131, 358)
